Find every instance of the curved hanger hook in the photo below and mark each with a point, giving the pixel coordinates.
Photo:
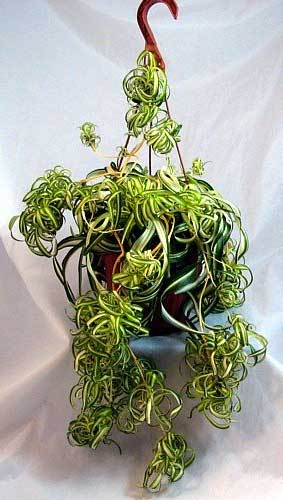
(150, 42)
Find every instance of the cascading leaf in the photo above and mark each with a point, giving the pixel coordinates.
(152, 251)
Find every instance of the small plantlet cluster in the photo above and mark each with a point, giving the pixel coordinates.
(152, 251)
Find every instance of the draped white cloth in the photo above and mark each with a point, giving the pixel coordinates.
(62, 63)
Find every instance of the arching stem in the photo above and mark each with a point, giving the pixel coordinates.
(120, 157)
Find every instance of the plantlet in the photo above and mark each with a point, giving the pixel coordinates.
(153, 252)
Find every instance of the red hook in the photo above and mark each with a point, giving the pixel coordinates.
(150, 42)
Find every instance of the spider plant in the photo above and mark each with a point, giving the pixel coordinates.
(151, 250)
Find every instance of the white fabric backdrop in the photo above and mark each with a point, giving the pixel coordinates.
(62, 62)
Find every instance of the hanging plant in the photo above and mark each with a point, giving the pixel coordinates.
(155, 252)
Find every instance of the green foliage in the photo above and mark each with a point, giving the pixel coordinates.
(219, 359)
(197, 166)
(163, 136)
(88, 135)
(146, 89)
(140, 243)
(45, 203)
(146, 84)
(91, 427)
(171, 456)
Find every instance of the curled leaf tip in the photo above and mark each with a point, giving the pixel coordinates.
(88, 135)
(197, 166)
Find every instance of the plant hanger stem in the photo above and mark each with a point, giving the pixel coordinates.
(178, 149)
(150, 42)
(151, 45)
